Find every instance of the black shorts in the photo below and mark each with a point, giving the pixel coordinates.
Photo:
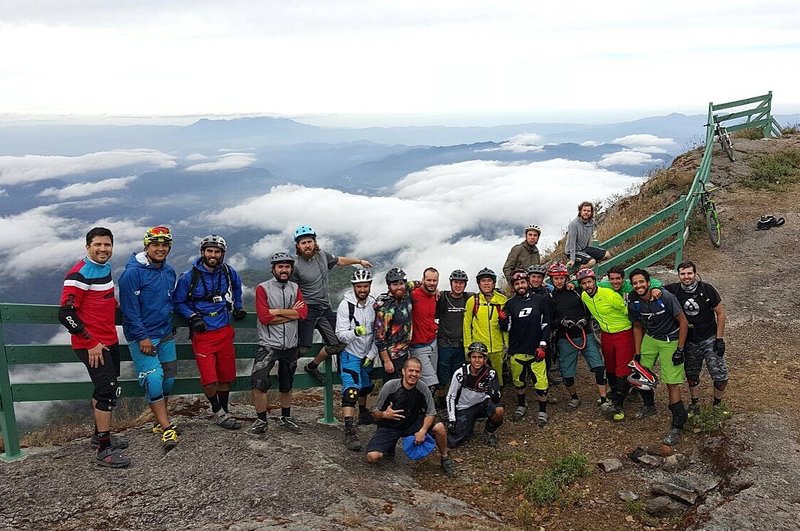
(385, 439)
(322, 319)
(585, 255)
(103, 374)
(465, 421)
(265, 360)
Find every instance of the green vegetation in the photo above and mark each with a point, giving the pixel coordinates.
(547, 487)
(752, 133)
(774, 171)
(709, 420)
(791, 129)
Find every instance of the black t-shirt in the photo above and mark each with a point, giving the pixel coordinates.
(414, 402)
(528, 322)
(567, 304)
(657, 315)
(450, 312)
(698, 308)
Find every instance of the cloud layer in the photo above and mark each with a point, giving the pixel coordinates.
(83, 189)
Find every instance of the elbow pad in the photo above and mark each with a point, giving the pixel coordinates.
(68, 316)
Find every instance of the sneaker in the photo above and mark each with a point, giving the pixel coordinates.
(645, 411)
(693, 410)
(316, 375)
(618, 415)
(351, 440)
(258, 429)
(365, 419)
(111, 458)
(541, 420)
(574, 403)
(158, 429)
(491, 438)
(449, 467)
(519, 413)
(116, 442)
(225, 420)
(169, 437)
(288, 424)
(673, 437)
(607, 406)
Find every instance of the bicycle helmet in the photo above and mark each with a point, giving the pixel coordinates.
(641, 377)
(212, 240)
(304, 231)
(395, 274)
(533, 227)
(361, 275)
(557, 269)
(459, 275)
(281, 258)
(537, 269)
(477, 346)
(485, 273)
(519, 274)
(585, 273)
(158, 234)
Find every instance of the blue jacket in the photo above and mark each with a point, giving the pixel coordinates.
(145, 296)
(209, 283)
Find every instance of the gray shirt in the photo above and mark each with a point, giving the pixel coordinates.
(658, 316)
(312, 277)
(579, 236)
(414, 402)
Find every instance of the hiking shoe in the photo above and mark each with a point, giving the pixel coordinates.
(692, 410)
(351, 440)
(618, 415)
(541, 420)
(169, 437)
(258, 429)
(449, 467)
(116, 442)
(491, 438)
(519, 413)
(225, 420)
(574, 403)
(111, 458)
(316, 375)
(288, 424)
(365, 419)
(159, 430)
(607, 406)
(645, 411)
(673, 437)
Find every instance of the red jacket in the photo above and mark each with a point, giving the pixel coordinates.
(423, 316)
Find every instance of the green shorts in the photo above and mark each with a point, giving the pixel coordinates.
(656, 350)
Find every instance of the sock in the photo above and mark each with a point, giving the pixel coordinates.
(348, 423)
(521, 400)
(542, 406)
(679, 415)
(362, 409)
(603, 399)
(648, 397)
(262, 415)
(286, 412)
(311, 365)
(717, 401)
(214, 401)
(223, 396)
(105, 440)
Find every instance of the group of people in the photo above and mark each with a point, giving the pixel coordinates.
(450, 350)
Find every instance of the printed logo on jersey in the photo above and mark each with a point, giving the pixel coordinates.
(525, 312)
(690, 307)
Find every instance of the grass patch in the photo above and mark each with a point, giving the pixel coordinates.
(751, 133)
(791, 129)
(774, 171)
(709, 420)
(548, 486)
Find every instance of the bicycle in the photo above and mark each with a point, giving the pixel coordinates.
(724, 138)
(710, 215)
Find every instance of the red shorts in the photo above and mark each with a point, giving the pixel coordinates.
(215, 355)
(618, 350)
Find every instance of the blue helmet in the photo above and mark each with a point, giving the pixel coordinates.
(302, 231)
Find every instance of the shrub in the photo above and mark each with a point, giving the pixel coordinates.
(752, 133)
(709, 420)
(774, 171)
(546, 488)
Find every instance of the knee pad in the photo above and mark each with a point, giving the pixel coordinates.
(106, 396)
(693, 382)
(569, 382)
(349, 397)
(599, 375)
(541, 392)
(720, 385)
(170, 369)
(365, 391)
(286, 376)
(153, 384)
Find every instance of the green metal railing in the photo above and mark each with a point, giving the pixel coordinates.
(15, 355)
(672, 223)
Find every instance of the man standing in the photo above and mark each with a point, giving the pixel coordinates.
(393, 324)
(573, 335)
(527, 319)
(523, 254)
(355, 319)
(205, 295)
(279, 308)
(424, 327)
(450, 314)
(579, 237)
(705, 312)
(311, 274)
(482, 320)
(474, 393)
(88, 310)
(405, 407)
(618, 282)
(536, 285)
(659, 331)
(145, 295)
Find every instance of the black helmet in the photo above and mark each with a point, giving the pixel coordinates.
(281, 258)
(212, 240)
(538, 269)
(459, 275)
(485, 273)
(395, 274)
(477, 346)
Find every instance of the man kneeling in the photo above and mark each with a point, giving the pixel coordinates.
(474, 393)
(405, 407)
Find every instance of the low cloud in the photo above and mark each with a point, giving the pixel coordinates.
(522, 143)
(31, 168)
(229, 161)
(626, 158)
(643, 140)
(84, 189)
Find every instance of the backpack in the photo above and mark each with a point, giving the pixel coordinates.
(198, 277)
(351, 310)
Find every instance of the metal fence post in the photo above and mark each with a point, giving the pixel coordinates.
(327, 399)
(8, 420)
(681, 231)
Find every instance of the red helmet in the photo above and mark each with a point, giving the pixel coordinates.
(585, 273)
(519, 274)
(641, 377)
(557, 269)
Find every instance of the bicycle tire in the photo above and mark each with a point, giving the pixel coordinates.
(727, 146)
(713, 225)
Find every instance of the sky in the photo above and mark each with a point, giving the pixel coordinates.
(417, 61)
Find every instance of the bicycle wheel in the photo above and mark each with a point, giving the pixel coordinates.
(713, 225)
(727, 146)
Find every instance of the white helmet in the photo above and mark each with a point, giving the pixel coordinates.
(212, 240)
(533, 226)
(361, 275)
